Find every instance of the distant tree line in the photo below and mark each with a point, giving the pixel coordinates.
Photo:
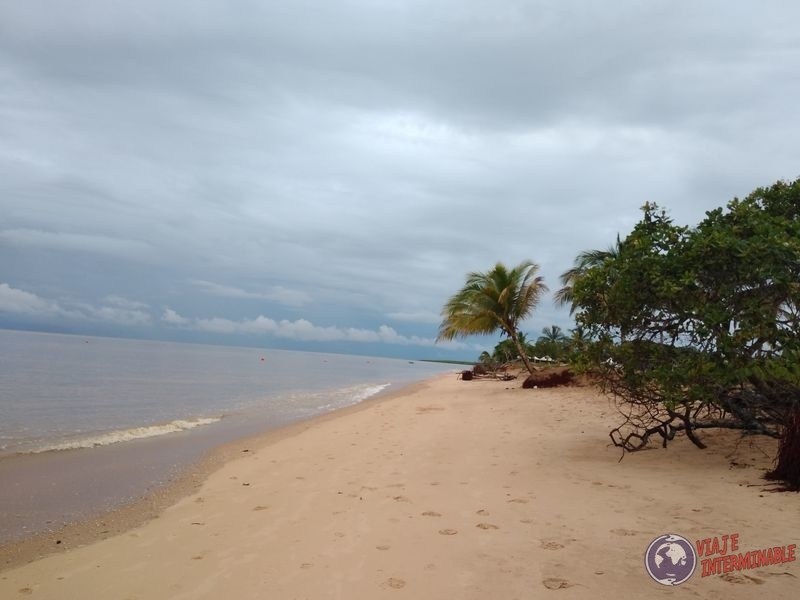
(552, 346)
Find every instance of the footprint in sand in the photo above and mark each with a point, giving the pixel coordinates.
(741, 578)
(26, 591)
(431, 513)
(382, 547)
(556, 583)
(549, 545)
(394, 583)
(483, 512)
(448, 531)
(197, 557)
(306, 565)
(624, 532)
(259, 507)
(486, 526)
(519, 500)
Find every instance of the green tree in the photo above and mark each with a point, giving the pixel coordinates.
(700, 327)
(497, 300)
(577, 343)
(506, 350)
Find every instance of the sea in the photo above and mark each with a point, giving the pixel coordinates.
(89, 424)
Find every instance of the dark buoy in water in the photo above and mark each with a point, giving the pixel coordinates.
(263, 359)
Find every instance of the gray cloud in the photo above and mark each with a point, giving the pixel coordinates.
(119, 311)
(173, 318)
(279, 294)
(347, 163)
(74, 242)
(416, 317)
(13, 300)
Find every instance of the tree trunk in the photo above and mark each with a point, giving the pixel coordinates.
(787, 463)
(522, 354)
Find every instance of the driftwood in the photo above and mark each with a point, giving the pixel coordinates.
(480, 371)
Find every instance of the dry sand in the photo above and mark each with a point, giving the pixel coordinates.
(451, 489)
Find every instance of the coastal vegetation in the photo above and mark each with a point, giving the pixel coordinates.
(494, 301)
(687, 328)
(691, 328)
(552, 346)
(553, 343)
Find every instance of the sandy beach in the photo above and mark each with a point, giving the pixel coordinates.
(449, 489)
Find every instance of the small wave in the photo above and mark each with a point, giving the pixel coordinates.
(372, 390)
(127, 435)
(349, 396)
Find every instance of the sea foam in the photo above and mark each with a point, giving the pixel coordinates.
(126, 435)
(346, 396)
(365, 392)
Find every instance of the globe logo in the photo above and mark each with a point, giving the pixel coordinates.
(670, 559)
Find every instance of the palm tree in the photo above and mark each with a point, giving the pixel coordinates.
(494, 301)
(553, 341)
(583, 262)
(553, 334)
(579, 337)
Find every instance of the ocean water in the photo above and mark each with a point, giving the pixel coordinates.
(91, 424)
(60, 392)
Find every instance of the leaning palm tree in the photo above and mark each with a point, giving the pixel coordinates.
(583, 262)
(494, 301)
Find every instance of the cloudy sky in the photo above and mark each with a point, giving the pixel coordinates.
(322, 174)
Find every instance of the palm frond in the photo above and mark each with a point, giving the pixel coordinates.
(496, 300)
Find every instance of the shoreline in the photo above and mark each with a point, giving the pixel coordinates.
(444, 488)
(153, 501)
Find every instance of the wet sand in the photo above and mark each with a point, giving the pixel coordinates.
(44, 492)
(451, 489)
